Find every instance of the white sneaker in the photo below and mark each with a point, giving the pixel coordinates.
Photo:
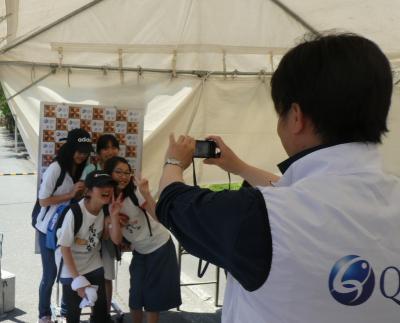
(45, 319)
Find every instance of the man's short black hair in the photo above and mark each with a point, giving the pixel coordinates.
(343, 83)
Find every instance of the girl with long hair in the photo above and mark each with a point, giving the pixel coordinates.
(154, 273)
(67, 166)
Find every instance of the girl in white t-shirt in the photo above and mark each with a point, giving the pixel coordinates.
(107, 146)
(81, 272)
(68, 167)
(155, 284)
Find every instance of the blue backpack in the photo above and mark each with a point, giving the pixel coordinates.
(57, 220)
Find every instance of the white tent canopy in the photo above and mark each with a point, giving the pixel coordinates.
(128, 52)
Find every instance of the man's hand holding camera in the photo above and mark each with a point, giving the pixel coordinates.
(177, 159)
(180, 150)
(180, 153)
(227, 159)
(185, 148)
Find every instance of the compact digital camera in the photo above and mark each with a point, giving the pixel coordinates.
(205, 149)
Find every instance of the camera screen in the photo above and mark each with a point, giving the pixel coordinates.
(205, 149)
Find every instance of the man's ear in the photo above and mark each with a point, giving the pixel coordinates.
(298, 119)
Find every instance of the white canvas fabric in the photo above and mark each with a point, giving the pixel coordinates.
(93, 88)
(196, 29)
(207, 35)
(391, 149)
(333, 203)
(239, 110)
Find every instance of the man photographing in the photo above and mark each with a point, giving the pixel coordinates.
(322, 244)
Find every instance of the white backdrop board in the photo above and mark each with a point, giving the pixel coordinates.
(56, 119)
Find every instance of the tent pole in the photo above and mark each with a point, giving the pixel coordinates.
(199, 73)
(2, 18)
(139, 70)
(15, 133)
(53, 71)
(296, 17)
(49, 26)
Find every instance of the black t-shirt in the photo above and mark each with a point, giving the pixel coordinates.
(229, 229)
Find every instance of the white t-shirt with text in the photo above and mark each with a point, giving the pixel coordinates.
(137, 231)
(86, 245)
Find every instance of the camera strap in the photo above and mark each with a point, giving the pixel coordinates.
(194, 173)
(200, 271)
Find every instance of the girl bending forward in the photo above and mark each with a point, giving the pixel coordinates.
(154, 272)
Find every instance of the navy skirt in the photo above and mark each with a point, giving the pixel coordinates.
(155, 281)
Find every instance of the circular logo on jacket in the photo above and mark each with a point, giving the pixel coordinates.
(352, 280)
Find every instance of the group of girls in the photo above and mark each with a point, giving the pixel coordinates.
(88, 257)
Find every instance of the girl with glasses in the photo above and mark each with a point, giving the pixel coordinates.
(154, 272)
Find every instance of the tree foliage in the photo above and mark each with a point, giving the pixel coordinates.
(5, 112)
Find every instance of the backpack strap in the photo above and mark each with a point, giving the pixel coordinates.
(59, 181)
(78, 219)
(133, 198)
(117, 249)
(135, 201)
(106, 211)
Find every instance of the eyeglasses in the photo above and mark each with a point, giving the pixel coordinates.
(120, 172)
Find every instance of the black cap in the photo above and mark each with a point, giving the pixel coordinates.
(79, 139)
(99, 178)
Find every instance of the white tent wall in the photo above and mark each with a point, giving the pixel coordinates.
(207, 35)
(377, 20)
(238, 110)
(91, 87)
(241, 111)
(27, 16)
(156, 143)
(391, 146)
(198, 30)
(160, 108)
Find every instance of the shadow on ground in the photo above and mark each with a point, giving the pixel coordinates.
(13, 316)
(22, 156)
(179, 317)
(185, 317)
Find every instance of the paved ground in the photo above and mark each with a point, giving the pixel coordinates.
(17, 195)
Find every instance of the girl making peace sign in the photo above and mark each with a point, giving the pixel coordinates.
(155, 284)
